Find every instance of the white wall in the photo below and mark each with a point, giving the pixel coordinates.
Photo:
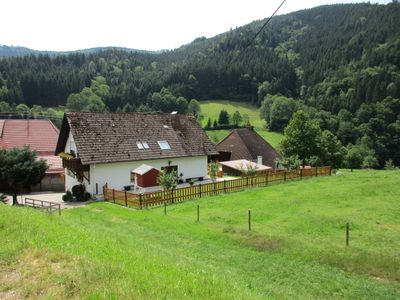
(117, 175)
(70, 145)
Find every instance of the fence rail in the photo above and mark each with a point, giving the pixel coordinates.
(203, 190)
(42, 204)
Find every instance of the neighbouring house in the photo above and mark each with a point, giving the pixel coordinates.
(246, 143)
(240, 167)
(41, 136)
(129, 149)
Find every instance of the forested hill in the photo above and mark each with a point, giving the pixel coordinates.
(331, 56)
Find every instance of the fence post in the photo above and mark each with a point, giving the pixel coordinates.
(113, 195)
(172, 195)
(97, 188)
(215, 183)
(284, 176)
(140, 201)
(200, 190)
(301, 173)
(59, 210)
(224, 186)
(247, 181)
(165, 208)
(198, 213)
(266, 178)
(347, 233)
(316, 171)
(249, 212)
(126, 198)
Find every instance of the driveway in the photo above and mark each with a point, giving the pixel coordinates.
(50, 197)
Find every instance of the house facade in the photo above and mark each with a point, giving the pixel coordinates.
(108, 148)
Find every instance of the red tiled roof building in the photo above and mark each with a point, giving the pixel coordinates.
(41, 136)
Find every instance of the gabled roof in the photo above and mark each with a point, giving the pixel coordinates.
(113, 137)
(39, 135)
(245, 143)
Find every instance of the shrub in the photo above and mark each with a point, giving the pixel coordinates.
(68, 197)
(80, 193)
(389, 165)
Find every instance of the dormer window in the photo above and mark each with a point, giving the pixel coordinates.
(142, 145)
(164, 145)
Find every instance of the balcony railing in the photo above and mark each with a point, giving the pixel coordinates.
(75, 165)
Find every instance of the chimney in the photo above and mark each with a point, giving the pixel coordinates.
(175, 120)
(259, 160)
(249, 126)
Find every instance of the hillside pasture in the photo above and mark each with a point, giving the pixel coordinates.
(296, 248)
(211, 109)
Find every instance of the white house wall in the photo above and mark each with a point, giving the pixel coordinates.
(70, 145)
(117, 175)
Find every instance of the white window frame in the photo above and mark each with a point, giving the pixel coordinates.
(164, 145)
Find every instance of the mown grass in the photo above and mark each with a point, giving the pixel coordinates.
(212, 108)
(296, 248)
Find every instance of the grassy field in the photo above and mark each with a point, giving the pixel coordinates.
(211, 109)
(296, 248)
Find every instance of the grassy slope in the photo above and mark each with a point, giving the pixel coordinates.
(211, 109)
(296, 248)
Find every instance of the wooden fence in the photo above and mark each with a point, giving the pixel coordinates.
(209, 189)
(42, 204)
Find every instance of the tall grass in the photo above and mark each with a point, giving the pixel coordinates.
(296, 248)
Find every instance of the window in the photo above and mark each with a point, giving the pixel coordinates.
(142, 145)
(164, 145)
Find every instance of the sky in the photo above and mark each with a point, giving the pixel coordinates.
(64, 25)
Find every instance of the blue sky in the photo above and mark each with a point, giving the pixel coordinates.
(144, 24)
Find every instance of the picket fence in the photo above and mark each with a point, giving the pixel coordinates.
(151, 199)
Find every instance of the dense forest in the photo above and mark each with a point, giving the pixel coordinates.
(340, 63)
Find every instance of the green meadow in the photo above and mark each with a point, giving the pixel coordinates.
(210, 110)
(296, 248)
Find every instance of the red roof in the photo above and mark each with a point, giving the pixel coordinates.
(54, 163)
(39, 135)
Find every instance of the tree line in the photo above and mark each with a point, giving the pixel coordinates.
(339, 63)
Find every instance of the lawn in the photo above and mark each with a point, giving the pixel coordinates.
(296, 248)
(211, 109)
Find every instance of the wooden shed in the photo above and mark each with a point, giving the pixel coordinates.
(145, 176)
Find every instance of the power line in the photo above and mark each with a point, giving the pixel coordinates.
(265, 24)
(261, 29)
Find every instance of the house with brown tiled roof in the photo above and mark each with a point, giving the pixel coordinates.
(100, 148)
(246, 143)
(41, 136)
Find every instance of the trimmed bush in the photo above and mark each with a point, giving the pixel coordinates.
(80, 193)
(68, 197)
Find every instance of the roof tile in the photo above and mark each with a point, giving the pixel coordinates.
(112, 137)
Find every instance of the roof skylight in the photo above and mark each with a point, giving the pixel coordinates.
(142, 145)
(164, 145)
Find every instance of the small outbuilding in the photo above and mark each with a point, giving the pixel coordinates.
(246, 143)
(241, 167)
(145, 176)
